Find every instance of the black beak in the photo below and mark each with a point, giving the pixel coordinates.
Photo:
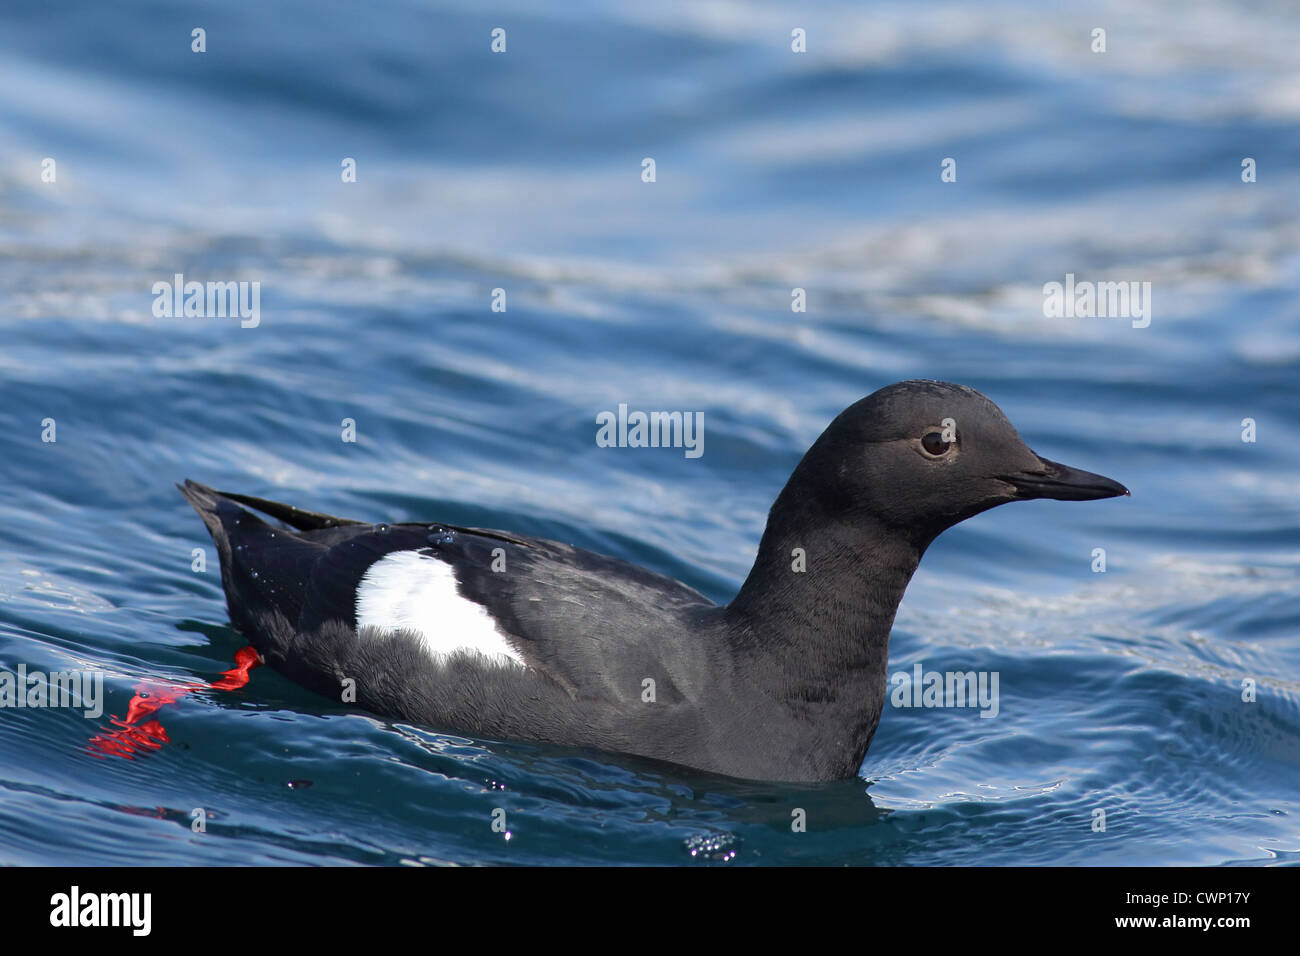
(1064, 483)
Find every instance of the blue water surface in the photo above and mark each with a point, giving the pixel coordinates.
(1120, 692)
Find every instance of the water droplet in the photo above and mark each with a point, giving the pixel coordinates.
(718, 847)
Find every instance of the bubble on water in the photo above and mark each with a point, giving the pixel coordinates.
(718, 847)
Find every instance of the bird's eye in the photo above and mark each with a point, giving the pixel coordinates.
(935, 444)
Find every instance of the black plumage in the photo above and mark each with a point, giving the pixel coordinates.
(785, 682)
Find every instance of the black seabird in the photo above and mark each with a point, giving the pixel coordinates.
(509, 636)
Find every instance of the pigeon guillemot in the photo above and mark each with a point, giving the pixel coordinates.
(509, 636)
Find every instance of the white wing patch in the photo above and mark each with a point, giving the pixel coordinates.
(416, 592)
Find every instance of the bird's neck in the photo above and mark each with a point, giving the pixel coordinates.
(828, 590)
(816, 610)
